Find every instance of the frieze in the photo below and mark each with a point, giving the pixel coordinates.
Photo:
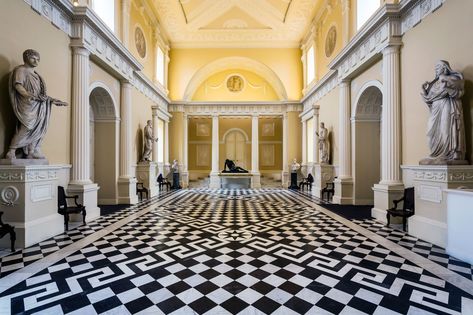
(27, 175)
(444, 176)
(418, 12)
(234, 109)
(52, 13)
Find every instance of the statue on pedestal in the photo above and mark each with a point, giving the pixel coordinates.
(294, 168)
(232, 168)
(175, 175)
(323, 144)
(31, 106)
(148, 143)
(446, 131)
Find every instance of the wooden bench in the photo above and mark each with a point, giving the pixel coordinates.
(65, 210)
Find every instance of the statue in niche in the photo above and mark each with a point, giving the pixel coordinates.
(31, 106)
(232, 168)
(446, 131)
(323, 144)
(148, 133)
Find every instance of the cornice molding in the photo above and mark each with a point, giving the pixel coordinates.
(319, 90)
(234, 108)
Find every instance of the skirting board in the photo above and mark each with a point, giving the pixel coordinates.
(428, 230)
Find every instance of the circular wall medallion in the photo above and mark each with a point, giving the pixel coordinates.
(330, 41)
(235, 83)
(9, 195)
(140, 42)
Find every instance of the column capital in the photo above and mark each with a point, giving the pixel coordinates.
(255, 115)
(345, 83)
(215, 116)
(80, 50)
(391, 49)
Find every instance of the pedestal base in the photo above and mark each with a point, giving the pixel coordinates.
(294, 184)
(430, 181)
(343, 191)
(29, 198)
(285, 179)
(87, 197)
(256, 180)
(176, 183)
(384, 195)
(323, 174)
(127, 191)
(146, 174)
(214, 182)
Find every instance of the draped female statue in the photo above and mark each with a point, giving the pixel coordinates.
(446, 131)
(31, 106)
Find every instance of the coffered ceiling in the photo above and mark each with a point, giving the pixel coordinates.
(235, 23)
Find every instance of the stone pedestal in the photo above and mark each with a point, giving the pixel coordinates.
(430, 181)
(214, 180)
(146, 174)
(87, 197)
(28, 199)
(323, 174)
(285, 179)
(176, 184)
(294, 184)
(343, 191)
(384, 195)
(127, 191)
(256, 180)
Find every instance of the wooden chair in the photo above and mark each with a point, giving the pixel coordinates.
(407, 207)
(65, 210)
(140, 190)
(5, 229)
(329, 189)
(163, 181)
(307, 182)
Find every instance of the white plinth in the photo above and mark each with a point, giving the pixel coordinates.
(248, 180)
(31, 192)
(459, 219)
(323, 174)
(87, 197)
(430, 181)
(146, 174)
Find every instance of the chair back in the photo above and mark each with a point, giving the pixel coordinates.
(409, 199)
(310, 178)
(160, 178)
(61, 199)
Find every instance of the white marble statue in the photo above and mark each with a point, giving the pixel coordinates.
(323, 144)
(31, 106)
(446, 131)
(295, 166)
(148, 143)
(175, 166)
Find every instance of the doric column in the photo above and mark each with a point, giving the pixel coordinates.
(155, 133)
(285, 163)
(255, 152)
(125, 22)
(126, 180)
(166, 142)
(80, 183)
(304, 142)
(80, 117)
(214, 179)
(391, 118)
(390, 187)
(316, 137)
(185, 156)
(344, 183)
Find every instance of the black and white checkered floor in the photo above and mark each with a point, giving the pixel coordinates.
(225, 252)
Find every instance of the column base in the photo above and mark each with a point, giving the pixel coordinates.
(214, 182)
(87, 197)
(256, 180)
(146, 174)
(285, 179)
(184, 179)
(343, 191)
(323, 173)
(384, 194)
(127, 191)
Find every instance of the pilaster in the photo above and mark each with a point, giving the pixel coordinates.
(184, 173)
(255, 152)
(155, 133)
(125, 22)
(285, 166)
(214, 179)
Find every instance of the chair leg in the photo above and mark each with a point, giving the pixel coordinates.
(66, 221)
(388, 218)
(404, 221)
(83, 216)
(12, 238)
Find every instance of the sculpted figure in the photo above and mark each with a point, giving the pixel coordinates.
(232, 168)
(148, 144)
(323, 144)
(295, 166)
(175, 166)
(446, 132)
(31, 106)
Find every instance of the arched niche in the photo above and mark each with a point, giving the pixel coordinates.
(242, 63)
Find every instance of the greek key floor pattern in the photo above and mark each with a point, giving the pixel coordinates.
(205, 251)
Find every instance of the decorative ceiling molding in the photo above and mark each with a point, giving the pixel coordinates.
(285, 27)
(229, 63)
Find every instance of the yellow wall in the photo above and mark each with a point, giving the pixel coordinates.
(285, 62)
(55, 68)
(176, 137)
(437, 37)
(105, 158)
(195, 141)
(275, 141)
(149, 61)
(141, 113)
(255, 88)
(294, 135)
(243, 123)
(328, 114)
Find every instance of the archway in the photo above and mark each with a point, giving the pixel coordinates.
(235, 141)
(242, 63)
(104, 146)
(366, 126)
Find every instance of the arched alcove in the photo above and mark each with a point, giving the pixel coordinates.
(104, 145)
(241, 63)
(366, 126)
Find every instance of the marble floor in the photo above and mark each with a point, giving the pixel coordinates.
(203, 251)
